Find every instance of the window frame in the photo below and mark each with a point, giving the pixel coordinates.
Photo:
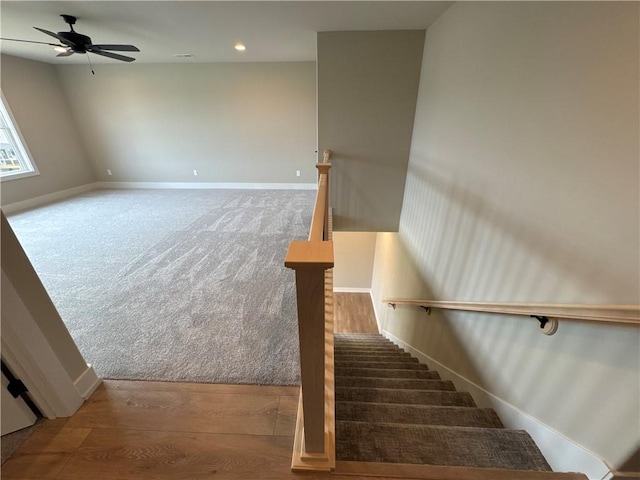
(21, 145)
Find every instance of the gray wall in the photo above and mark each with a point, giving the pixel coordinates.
(233, 122)
(37, 101)
(523, 186)
(367, 89)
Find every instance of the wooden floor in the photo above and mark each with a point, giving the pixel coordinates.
(354, 313)
(156, 430)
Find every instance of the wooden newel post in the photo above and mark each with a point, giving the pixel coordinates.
(310, 260)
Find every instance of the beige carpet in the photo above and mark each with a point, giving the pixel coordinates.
(175, 285)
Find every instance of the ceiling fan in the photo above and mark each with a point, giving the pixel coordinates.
(73, 42)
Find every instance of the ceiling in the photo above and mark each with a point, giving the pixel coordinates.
(272, 31)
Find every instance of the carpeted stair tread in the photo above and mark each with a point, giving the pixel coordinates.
(377, 348)
(404, 396)
(417, 414)
(392, 409)
(374, 358)
(367, 353)
(437, 445)
(387, 373)
(401, 383)
(356, 335)
(359, 337)
(396, 364)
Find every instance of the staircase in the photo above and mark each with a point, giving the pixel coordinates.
(395, 415)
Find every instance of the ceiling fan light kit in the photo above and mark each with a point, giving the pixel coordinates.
(73, 42)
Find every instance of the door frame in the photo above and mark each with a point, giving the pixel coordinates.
(30, 357)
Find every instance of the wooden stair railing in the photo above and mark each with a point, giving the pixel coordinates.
(312, 260)
(547, 314)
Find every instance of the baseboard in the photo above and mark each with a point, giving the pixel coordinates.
(562, 453)
(352, 290)
(49, 198)
(10, 208)
(210, 185)
(87, 382)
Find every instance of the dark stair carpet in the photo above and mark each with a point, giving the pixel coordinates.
(437, 445)
(404, 396)
(417, 414)
(390, 408)
(368, 356)
(379, 363)
(410, 383)
(390, 373)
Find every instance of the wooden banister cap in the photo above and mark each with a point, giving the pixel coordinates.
(315, 254)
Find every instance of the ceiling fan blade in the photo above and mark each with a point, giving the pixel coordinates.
(32, 41)
(117, 48)
(55, 35)
(112, 55)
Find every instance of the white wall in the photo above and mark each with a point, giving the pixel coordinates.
(353, 257)
(37, 101)
(233, 122)
(523, 186)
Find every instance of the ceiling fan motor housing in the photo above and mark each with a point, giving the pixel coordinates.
(79, 42)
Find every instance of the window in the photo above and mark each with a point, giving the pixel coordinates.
(15, 162)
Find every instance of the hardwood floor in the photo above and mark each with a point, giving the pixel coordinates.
(157, 430)
(152, 430)
(354, 313)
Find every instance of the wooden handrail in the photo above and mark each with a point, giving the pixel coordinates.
(316, 232)
(625, 314)
(314, 444)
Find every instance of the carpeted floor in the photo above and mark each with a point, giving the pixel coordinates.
(175, 285)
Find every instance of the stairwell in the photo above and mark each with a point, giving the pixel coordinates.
(393, 414)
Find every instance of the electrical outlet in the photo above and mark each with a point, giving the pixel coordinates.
(109, 171)
(195, 172)
(297, 173)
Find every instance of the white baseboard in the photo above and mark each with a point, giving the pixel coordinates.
(70, 192)
(87, 382)
(352, 290)
(562, 453)
(210, 185)
(49, 198)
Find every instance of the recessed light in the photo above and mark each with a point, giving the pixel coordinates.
(240, 47)
(183, 55)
